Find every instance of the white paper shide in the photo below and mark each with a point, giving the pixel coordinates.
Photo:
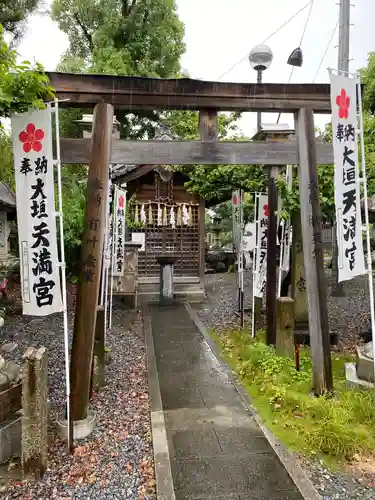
(261, 254)
(351, 260)
(119, 231)
(33, 166)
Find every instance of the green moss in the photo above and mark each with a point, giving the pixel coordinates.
(334, 427)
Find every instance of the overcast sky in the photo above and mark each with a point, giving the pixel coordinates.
(221, 32)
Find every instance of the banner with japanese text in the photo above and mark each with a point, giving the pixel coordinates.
(119, 231)
(36, 217)
(351, 260)
(261, 254)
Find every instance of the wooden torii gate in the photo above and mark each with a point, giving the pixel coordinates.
(135, 94)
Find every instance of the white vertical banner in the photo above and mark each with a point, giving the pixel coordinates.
(36, 215)
(287, 229)
(261, 254)
(119, 232)
(235, 218)
(255, 253)
(106, 258)
(240, 259)
(351, 260)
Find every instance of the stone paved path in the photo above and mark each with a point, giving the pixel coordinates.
(217, 449)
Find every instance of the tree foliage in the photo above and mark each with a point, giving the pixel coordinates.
(22, 85)
(13, 16)
(368, 78)
(127, 37)
(121, 37)
(215, 183)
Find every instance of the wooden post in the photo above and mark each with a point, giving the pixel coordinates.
(92, 244)
(271, 257)
(34, 413)
(313, 252)
(208, 130)
(284, 327)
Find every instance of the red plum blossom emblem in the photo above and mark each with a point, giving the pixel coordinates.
(121, 202)
(265, 210)
(343, 102)
(31, 138)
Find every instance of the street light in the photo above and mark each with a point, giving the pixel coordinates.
(260, 59)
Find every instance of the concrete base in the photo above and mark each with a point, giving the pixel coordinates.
(195, 296)
(10, 439)
(81, 429)
(353, 380)
(186, 289)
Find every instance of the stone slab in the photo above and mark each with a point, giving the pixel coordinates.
(238, 442)
(352, 379)
(364, 366)
(197, 418)
(10, 439)
(213, 394)
(10, 401)
(222, 476)
(197, 443)
(285, 495)
(180, 496)
(181, 398)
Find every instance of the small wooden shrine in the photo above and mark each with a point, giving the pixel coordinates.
(167, 220)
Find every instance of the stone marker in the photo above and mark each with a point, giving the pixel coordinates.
(166, 279)
(35, 413)
(285, 326)
(8, 347)
(299, 290)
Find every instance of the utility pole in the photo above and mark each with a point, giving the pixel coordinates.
(344, 36)
(343, 67)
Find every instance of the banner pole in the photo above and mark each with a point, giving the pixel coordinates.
(365, 199)
(114, 205)
(63, 279)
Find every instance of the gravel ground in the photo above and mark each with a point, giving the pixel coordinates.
(348, 316)
(116, 461)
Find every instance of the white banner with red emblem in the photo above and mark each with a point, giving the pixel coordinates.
(261, 254)
(351, 260)
(119, 232)
(36, 216)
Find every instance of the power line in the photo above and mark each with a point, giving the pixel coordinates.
(300, 45)
(307, 22)
(325, 52)
(269, 37)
